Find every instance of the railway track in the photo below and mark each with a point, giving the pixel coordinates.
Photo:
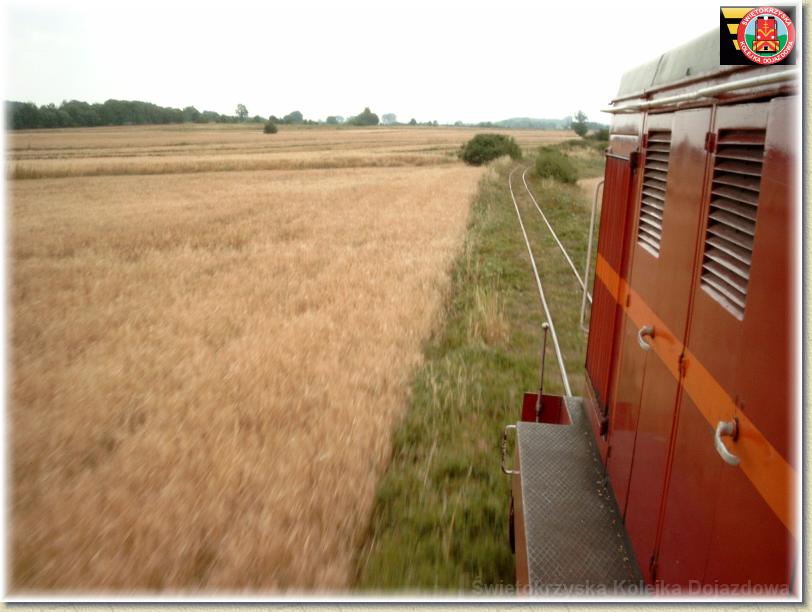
(555, 237)
(547, 315)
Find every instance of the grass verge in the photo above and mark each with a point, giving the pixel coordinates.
(440, 516)
(440, 519)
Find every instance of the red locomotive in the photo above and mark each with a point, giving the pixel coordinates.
(680, 466)
(766, 35)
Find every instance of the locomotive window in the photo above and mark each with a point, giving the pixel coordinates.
(652, 199)
(732, 217)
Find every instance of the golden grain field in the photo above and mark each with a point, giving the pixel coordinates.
(212, 333)
(223, 148)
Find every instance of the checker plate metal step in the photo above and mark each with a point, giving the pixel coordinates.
(573, 530)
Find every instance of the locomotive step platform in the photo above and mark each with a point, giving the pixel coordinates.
(569, 534)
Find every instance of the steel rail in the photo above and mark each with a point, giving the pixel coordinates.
(555, 237)
(547, 314)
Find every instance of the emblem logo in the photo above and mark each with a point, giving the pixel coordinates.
(766, 35)
(763, 35)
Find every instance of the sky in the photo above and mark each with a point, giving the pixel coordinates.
(439, 60)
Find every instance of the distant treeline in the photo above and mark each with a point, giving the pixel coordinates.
(531, 123)
(27, 115)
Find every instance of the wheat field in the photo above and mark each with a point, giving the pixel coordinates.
(212, 335)
(224, 148)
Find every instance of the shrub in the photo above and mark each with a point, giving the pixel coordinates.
(601, 134)
(552, 163)
(270, 128)
(483, 148)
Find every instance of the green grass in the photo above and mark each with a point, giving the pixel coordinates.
(553, 164)
(440, 520)
(586, 154)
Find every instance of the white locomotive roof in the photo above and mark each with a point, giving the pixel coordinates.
(695, 58)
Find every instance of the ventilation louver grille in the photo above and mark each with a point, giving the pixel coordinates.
(652, 199)
(732, 217)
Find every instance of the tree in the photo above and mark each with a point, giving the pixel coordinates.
(75, 113)
(579, 124)
(190, 113)
(332, 120)
(293, 118)
(367, 117)
(413, 121)
(81, 113)
(24, 115)
(49, 116)
(389, 119)
(241, 111)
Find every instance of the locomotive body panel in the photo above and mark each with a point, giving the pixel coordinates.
(701, 273)
(690, 386)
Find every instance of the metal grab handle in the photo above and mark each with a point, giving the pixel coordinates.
(726, 428)
(598, 187)
(646, 330)
(504, 450)
(544, 327)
